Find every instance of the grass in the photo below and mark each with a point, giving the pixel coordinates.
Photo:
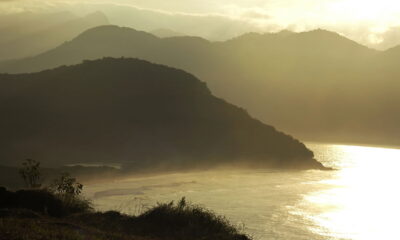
(43, 201)
(54, 229)
(177, 221)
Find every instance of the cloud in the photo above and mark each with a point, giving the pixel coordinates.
(255, 14)
(219, 20)
(387, 39)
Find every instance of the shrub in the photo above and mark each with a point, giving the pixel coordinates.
(66, 186)
(68, 190)
(179, 221)
(60, 199)
(42, 201)
(30, 172)
(186, 221)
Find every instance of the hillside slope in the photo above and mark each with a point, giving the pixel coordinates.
(137, 113)
(316, 85)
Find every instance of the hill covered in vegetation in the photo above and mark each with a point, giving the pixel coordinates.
(317, 85)
(133, 112)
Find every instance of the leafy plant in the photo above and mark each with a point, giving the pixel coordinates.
(66, 186)
(30, 172)
(69, 190)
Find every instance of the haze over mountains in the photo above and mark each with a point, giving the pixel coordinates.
(214, 27)
(227, 22)
(28, 34)
(316, 85)
(166, 33)
(137, 113)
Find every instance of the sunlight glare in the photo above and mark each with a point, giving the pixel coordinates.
(364, 10)
(362, 203)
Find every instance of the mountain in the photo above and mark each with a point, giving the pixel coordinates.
(215, 27)
(317, 85)
(166, 33)
(31, 34)
(133, 112)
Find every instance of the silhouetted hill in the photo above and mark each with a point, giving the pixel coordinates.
(41, 32)
(317, 85)
(214, 27)
(134, 112)
(115, 41)
(166, 33)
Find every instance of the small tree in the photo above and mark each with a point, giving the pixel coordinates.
(69, 190)
(66, 186)
(30, 172)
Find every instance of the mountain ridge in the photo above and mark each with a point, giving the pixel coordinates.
(318, 75)
(141, 114)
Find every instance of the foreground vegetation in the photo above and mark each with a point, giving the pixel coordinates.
(58, 211)
(40, 214)
(40, 228)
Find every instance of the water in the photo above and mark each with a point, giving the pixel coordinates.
(359, 201)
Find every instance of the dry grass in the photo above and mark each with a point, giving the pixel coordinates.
(40, 215)
(53, 229)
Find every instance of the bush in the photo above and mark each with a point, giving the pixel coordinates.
(31, 174)
(68, 190)
(42, 201)
(39, 201)
(66, 186)
(76, 205)
(179, 221)
(186, 221)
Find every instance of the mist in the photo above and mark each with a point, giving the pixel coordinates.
(200, 120)
(316, 86)
(372, 24)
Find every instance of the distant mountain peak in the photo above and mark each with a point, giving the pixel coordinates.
(320, 32)
(97, 16)
(285, 32)
(111, 28)
(110, 31)
(166, 33)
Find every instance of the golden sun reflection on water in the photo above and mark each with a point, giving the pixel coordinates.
(359, 201)
(363, 199)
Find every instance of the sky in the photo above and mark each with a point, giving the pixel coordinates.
(366, 21)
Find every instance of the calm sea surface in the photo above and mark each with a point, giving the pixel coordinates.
(360, 201)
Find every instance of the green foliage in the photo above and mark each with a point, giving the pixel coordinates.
(31, 174)
(65, 189)
(77, 205)
(66, 186)
(25, 215)
(179, 221)
(68, 190)
(44, 202)
(186, 221)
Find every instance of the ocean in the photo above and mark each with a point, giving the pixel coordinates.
(359, 201)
